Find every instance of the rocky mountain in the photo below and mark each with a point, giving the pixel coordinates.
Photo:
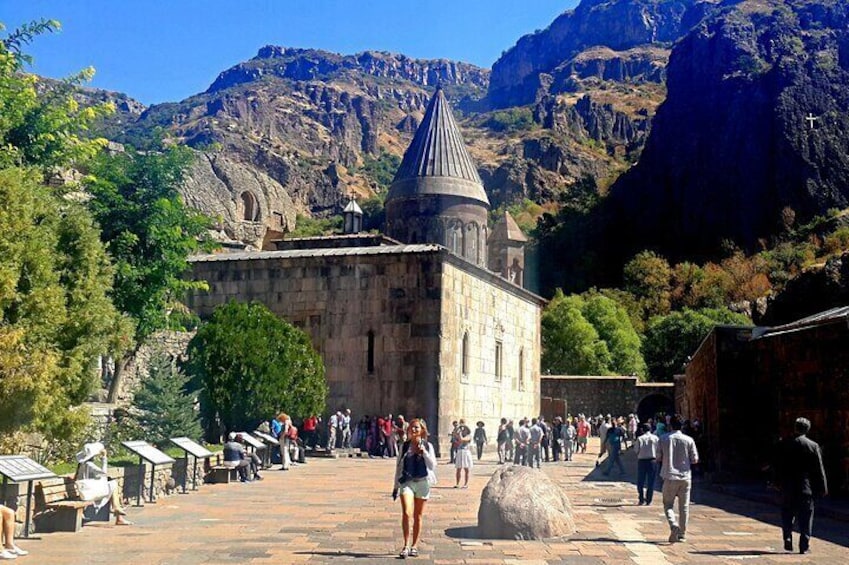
(315, 126)
(753, 129)
(624, 40)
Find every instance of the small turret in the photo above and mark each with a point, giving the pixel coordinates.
(353, 217)
(507, 250)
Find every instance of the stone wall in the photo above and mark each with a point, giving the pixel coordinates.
(407, 305)
(170, 342)
(496, 323)
(749, 390)
(615, 395)
(340, 301)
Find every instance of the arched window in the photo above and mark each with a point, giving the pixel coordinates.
(250, 207)
(370, 354)
(465, 361)
(454, 238)
(499, 366)
(470, 243)
(521, 378)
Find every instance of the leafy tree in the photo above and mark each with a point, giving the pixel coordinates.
(44, 131)
(374, 214)
(149, 233)
(164, 408)
(250, 364)
(570, 344)
(648, 278)
(670, 340)
(614, 328)
(55, 315)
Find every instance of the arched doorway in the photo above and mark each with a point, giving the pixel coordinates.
(652, 404)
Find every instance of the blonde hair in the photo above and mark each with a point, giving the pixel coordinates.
(423, 434)
(282, 417)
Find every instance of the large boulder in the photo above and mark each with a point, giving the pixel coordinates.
(523, 503)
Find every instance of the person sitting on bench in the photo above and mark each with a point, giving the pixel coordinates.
(89, 472)
(10, 550)
(235, 457)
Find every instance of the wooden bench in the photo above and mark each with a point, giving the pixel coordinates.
(58, 509)
(221, 474)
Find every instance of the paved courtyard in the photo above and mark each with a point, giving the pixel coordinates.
(340, 511)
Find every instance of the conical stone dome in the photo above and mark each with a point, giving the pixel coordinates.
(437, 195)
(437, 162)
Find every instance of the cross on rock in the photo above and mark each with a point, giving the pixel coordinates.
(811, 119)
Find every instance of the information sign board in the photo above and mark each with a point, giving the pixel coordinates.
(147, 452)
(20, 469)
(251, 440)
(191, 447)
(269, 439)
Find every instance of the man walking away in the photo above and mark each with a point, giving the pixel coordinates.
(535, 445)
(614, 438)
(801, 477)
(676, 457)
(646, 448)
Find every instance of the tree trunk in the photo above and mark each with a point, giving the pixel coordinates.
(118, 376)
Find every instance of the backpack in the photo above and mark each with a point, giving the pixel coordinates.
(292, 432)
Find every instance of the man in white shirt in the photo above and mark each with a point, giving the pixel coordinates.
(646, 447)
(676, 457)
(602, 436)
(523, 440)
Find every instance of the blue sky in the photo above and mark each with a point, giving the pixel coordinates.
(166, 50)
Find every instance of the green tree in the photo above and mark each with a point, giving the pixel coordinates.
(614, 328)
(250, 364)
(670, 340)
(648, 277)
(570, 344)
(56, 315)
(163, 406)
(46, 130)
(149, 233)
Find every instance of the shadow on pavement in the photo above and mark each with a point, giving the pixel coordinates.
(464, 532)
(613, 540)
(349, 554)
(739, 553)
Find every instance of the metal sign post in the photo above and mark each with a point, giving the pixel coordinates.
(197, 451)
(271, 441)
(147, 452)
(19, 469)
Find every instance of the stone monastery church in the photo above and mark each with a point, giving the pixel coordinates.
(430, 320)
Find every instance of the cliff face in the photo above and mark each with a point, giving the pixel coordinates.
(732, 145)
(620, 25)
(311, 123)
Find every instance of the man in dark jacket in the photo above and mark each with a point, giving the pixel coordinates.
(801, 478)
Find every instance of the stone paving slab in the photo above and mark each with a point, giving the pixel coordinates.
(340, 511)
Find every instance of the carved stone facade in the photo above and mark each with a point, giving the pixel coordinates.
(402, 329)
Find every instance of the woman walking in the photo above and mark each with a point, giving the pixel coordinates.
(462, 440)
(414, 475)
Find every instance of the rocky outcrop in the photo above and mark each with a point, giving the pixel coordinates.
(243, 202)
(617, 24)
(314, 64)
(523, 503)
(815, 290)
(732, 145)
